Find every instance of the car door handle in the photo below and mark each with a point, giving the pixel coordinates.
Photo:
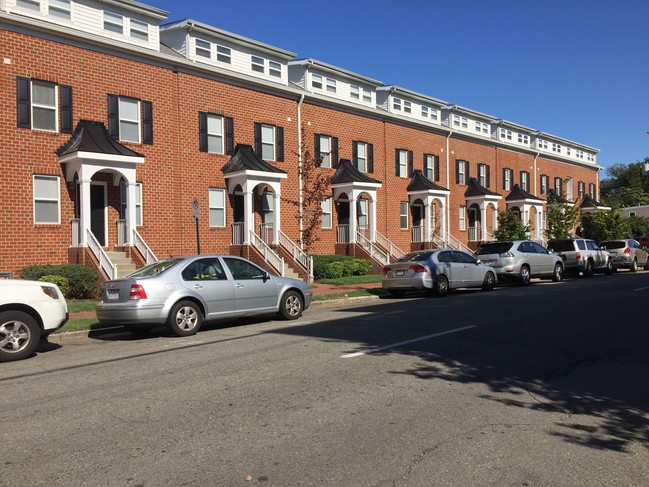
(198, 286)
(239, 285)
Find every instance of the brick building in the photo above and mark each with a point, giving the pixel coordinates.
(115, 124)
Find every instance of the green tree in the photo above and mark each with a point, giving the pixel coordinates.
(625, 186)
(638, 225)
(510, 226)
(605, 225)
(562, 218)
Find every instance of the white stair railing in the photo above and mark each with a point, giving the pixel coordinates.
(269, 254)
(298, 254)
(450, 242)
(394, 251)
(376, 253)
(143, 248)
(104, 262)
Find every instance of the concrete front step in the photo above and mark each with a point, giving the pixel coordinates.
(123, 263)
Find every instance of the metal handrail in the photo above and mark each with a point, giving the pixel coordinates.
(392, 249)
(298, 254)
(143, 248)
(376, 253)
(104, 261)
(269, 254)
(450, 242)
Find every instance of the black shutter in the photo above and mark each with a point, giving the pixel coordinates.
(411, 165)
(457, 171)
(316, 147)
(113, 116)
(279, 135)
(396, 162)
(334, 152)
(66, 109)
(370, 158)
(504, 178)
(23, 103)
(467, 174)
(147, 122)
(488, 176)
(355, 154)
(229, 135)
(258, 139)
(202, 131)
(436, 170)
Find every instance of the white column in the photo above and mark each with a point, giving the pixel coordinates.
(483, 221)
(84, 211)
(373, 219)
(443, 217)
(353, 210)
(276, 217)
(248, 216)
(131, 216)
(427, 229)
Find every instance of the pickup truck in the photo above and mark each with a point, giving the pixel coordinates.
(581, 255)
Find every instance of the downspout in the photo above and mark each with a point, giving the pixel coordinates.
(448, 183)
(299, 167)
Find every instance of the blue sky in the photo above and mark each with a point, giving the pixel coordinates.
(577, 69)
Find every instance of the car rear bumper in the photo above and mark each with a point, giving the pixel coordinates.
(130, 313)
(406, 283)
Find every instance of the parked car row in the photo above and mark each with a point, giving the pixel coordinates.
(440, 270)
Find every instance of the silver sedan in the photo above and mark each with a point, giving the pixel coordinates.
(438, 271)
(182, 292)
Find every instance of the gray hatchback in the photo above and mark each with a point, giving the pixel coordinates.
(182, 292)
(521, 260)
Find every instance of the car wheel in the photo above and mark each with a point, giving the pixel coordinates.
(524, 276)
(557, 275)
(609, 267)
(19, 335)
(291, 305)
(646, 264)
(489, 282)
(588, 270)
(441, 286)
(185, 318)
(634, 266)
(139, 330)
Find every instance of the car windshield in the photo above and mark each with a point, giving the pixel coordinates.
(156, 268)
(561, 245)
(614, 244)
(414, 257)
(494, 248)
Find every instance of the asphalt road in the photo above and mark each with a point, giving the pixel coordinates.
(540, 386)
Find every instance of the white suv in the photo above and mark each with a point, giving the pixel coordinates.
(28, 310)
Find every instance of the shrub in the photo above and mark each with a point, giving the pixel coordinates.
(62, 282)
(83, 281)
(336, 266)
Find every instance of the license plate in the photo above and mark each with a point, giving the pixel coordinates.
(112, 293)
(400, 273)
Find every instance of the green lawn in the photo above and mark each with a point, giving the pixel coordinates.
(344, 281)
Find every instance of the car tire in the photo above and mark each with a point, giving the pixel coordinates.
(291, 305)
(588, 270)
(609, 267)
(489, 282)
(19, 335)
(185, 318)
(646, 264)
(441, 286)
(557, 275)
(524, 277)
(634, 266)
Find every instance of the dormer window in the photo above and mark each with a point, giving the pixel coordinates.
(354, 92)
(30, 4)
(203, 48)
(429, 112)
(113, 22)
(316, 81)
(331, 85)
(139, 30)
(224, 54)
(275, 69)
(580, 154)
(396, 104)
(542, 144)
(407, 106)
(59, 8)
(556, 148)
(461, 122)
(523, 139)
(505, 134)
(482, 127)
(257, 64)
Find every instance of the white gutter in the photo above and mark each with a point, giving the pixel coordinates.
(299, 166)
(448, 181)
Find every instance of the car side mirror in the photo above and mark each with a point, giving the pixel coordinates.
(478, 262)
(551, 250)
(266, 276)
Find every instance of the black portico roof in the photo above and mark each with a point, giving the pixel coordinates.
(517, 193)
(90, 136)
(475, 189)
(347, 173)
(589, 202)
(244, 158)
(553, 195)
(419, 182)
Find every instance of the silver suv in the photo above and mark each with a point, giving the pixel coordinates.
(582, 255)
(521, 260)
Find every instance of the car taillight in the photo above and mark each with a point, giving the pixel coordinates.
(506, 254)
(386, 270)
(577, 256)
(50, 291)
(137, 292)
(627, 250)
(417, 268)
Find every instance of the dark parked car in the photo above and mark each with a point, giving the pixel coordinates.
(521, 260)
(183, 291)
(437, 270)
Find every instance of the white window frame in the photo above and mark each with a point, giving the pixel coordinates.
(113, 22)
(40, 106)
(134, 122)
(461, 172)
(482, 127)
(407, 106)
(29, 4)
(257, 64)
(325, 150)
(558, 183)
(403, 215)
(46, 199)
(138, 30)
(507, 183)
(544, 184)
(326, 220)
(215, 136)
(330, 84)
(482, 174)
(525, 183)
(556, 147)
(216, 204)
(274, 69)
(462, 122)
(267, 144)
(355, 92)
(523, 139)
(505, 134)
(429, 166)
(367, 95)
(223, 54)
(361, 157)
(362, 209)
(202, 48)
(317, 81)
(403, 163)
(462, 216)
(569, 189)
(542, 144)
(396, 104)
(138, 205)
(60, 8)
